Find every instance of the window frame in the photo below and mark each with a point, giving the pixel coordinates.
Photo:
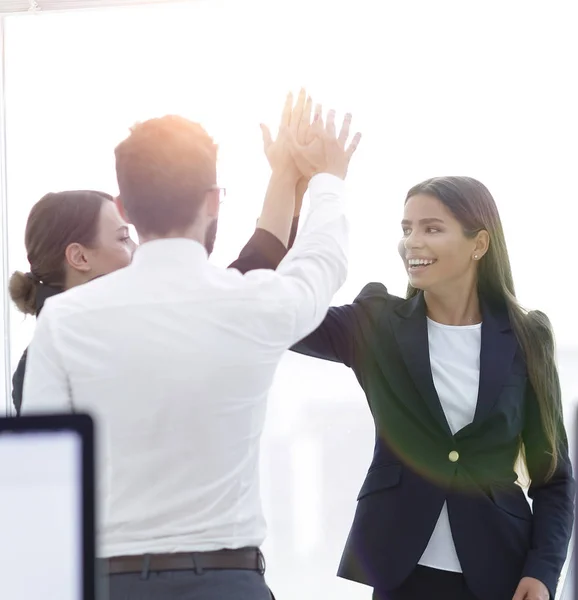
(13, 7)
(5, 364)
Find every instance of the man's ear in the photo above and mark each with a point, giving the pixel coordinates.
(121, 209)
(213, 200)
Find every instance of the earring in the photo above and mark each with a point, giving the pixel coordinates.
(475, 257)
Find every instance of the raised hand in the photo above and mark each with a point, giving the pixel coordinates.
(323, 151)
(304, 136)
(279, 205)
(278, 151)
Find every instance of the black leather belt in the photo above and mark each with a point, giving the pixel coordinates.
(250, 559)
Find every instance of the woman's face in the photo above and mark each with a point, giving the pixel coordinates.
(434, 249)
(113, 248)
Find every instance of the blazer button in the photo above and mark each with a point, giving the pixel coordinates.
(454, 456)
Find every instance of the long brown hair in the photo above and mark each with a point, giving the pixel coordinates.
(474, 207)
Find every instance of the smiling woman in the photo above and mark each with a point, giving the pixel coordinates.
(430, 239)
(467, 239)
(447, 222)
(463, 388)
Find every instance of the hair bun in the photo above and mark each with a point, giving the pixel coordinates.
(23, 289)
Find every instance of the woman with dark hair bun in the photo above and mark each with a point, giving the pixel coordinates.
(463, 388)
(71, 237)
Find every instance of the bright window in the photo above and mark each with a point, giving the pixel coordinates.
(483, 89)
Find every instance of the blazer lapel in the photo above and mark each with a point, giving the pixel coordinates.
(499, 345)
(410, 330)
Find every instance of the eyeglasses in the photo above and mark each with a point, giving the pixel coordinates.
(222, 192)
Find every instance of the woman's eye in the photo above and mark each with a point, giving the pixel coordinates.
(407, 231)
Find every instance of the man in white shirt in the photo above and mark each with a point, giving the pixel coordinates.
(174, 358)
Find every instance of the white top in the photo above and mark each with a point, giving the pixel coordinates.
(174, 357)
(455, 364)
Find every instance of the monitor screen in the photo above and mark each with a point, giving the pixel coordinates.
(41, 515)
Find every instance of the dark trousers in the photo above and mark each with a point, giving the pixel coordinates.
(187, 585)
(429, 584)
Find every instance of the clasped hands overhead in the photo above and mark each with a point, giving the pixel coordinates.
(307, 144)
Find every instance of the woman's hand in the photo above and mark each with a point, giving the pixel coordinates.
(323, 151)
(531, 589)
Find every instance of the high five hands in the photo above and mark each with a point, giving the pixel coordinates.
(303, 148)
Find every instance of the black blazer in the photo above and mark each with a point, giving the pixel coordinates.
(498, 538)
(262, 251)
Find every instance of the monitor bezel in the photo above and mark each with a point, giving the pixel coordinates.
(83, 426)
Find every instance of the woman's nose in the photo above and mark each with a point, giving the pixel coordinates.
(412, 241)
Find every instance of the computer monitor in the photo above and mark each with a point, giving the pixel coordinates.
(47, 520)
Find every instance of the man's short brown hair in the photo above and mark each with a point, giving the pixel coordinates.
(164, 169)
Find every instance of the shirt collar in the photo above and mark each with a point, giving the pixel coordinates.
(170, 252)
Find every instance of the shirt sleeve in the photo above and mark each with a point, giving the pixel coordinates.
(552, 498)
(46, 385)
(313, 270)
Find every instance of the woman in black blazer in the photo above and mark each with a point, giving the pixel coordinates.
(464, 391)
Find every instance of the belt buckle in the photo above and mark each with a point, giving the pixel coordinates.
(262, 563)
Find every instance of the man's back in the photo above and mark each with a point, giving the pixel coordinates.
(174, 357)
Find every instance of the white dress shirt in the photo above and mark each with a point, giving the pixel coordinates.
(174, 358)
(455, 366)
